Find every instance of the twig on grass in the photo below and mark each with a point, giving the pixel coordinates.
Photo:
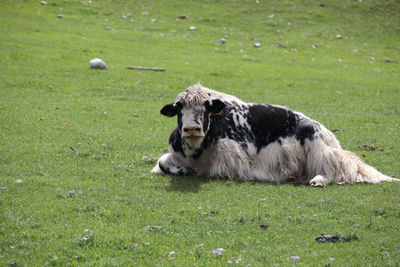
(145, 68)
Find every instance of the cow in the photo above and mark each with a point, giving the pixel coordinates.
(219, 135)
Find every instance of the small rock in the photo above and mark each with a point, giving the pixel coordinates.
(322, 5)
(153, 227)
(355, 50)
(328, 238)
(43, 3)
(183, 17)
(271, 16)
(192, 28)
(314, 46)
(294, 50)
(339, 60)
(145, 13)
(281, 45)
(124, 17)
(60, 16)
(19, 181)
(339, 36)
(257, 45)
(217, 251)
(387, 60)
(108, 28)
(263, 226)
(222, 41)
(371, 58)
(97, 63)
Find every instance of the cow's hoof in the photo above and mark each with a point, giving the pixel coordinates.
(318, 181)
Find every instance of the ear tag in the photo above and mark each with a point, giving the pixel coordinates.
(219, 113)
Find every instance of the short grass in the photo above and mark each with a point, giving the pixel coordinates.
(83, 141)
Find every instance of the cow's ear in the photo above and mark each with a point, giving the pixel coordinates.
(171, 110)
(217, 106)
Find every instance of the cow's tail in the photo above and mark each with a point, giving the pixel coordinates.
(355, 170)
(327, 158)
(370, 175)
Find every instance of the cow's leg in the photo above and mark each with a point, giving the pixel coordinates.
(167, 164)
(319, 181)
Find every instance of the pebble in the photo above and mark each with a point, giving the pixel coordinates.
(222, 41)
(183, 17)
(257, 45)
(281, 45)
(339, 36)
(43, 3)
(217, 251)
(19, 181)
(192, 28)
(60, 16)
(97, 63)
(388, 60)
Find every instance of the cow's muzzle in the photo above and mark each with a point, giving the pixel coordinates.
(193, 134)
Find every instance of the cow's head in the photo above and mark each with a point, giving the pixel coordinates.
(194, 120)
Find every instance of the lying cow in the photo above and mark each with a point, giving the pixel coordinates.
(220, 135)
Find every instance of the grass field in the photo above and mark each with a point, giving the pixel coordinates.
(82, 142)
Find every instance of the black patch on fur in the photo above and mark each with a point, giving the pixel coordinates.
(270, 123)
(165, 170)
(306, 130)
(176, 141)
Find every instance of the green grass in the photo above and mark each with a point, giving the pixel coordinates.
(83, 141)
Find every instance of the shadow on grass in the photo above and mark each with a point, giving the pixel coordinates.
(193, 183)
(190, 184)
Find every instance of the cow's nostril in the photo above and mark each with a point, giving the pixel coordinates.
(195, 129)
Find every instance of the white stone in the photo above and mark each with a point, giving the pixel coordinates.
(19, 181)
(97, 63)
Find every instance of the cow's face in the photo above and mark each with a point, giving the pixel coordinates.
(194, 121)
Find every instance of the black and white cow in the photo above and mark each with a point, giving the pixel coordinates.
(220, 135)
